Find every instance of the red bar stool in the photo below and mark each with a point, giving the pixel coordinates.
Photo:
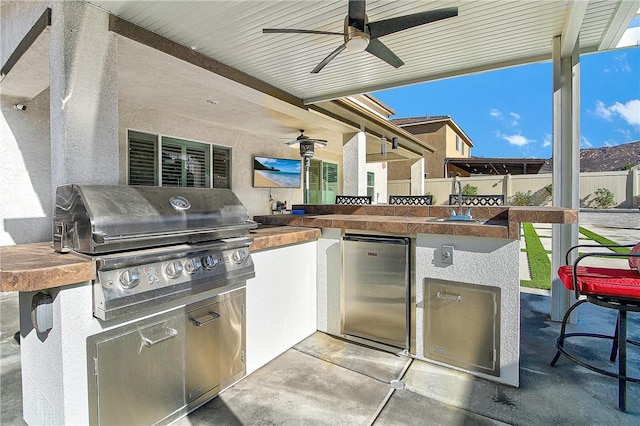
(611, 288)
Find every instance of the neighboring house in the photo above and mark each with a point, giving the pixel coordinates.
(440, 132)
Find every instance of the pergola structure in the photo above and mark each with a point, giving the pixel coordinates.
(492, 166)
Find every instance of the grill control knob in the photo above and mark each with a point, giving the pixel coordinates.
(240, 255)
(193, 265)
(210, 262)
(173, 269)
(130, 278)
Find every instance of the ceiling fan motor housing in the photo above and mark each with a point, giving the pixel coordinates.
(355, 39)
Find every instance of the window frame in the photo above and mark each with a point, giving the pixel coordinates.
(371, 188)
(159, 137)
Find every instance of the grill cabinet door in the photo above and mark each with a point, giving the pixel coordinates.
(215, 344)
(462, 325)
(140, 374)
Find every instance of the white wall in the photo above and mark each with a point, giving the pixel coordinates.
(17, 18)
(480, 261)
(623, 184)
(243, 146)
(25, 171)
(285, 282)
(380, 174)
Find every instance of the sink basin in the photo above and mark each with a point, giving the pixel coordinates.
(455, 219)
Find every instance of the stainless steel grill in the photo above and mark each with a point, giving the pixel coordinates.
(153, 245)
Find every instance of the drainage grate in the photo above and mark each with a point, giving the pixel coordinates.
(397, 384)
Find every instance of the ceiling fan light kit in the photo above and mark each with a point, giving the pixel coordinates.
(361, 35)
(357, 43)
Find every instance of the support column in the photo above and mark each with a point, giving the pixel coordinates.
(566, 166)
(416, 186)
(354, 164)
(83, 96)
(507, 186)
(634, 187)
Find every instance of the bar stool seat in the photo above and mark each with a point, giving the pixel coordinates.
(603, 281)
(610, 288)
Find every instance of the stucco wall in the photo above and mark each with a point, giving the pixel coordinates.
(243, 147)
(25, 171)
(483, 262)
(380, 184)
(16, 19)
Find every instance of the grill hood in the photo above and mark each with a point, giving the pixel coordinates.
(94, 219)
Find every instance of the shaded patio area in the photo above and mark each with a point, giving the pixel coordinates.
(325, 380)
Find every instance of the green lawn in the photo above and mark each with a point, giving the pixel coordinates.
(539, 263)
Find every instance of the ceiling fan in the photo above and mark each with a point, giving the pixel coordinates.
(360, 34)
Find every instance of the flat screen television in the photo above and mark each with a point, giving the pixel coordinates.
(270, 172)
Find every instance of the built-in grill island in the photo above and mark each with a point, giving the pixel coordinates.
(172, 265)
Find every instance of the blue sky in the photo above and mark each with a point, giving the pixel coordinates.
(284, 165)
(508, 113)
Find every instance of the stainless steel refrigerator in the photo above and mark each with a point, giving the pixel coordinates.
(376, 289)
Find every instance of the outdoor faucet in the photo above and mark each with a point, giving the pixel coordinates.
(460, 215)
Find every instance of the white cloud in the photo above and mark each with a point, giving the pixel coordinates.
(621, 65)
(495, 113)
(602, 110)
(517, 140)
(515, 117)
(547, 140)
(629, 112)
(585, 143)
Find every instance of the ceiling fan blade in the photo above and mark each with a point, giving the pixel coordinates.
(393, 25)
(294, 31)
(357, 14)
(377, 48)
(328, 59)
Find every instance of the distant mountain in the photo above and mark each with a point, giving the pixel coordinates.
(604, 159)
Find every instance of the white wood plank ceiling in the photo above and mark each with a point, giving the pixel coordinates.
(487, 34)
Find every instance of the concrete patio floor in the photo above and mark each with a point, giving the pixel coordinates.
(325, 380)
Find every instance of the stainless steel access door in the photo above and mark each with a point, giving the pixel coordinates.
(376, 289)
(462, 325)
(139, 374)
(215, 345)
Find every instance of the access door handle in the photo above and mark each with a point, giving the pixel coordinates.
(172, 332)
(198, 323)
(445, 296)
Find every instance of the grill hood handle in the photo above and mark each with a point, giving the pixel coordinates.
(102, 238)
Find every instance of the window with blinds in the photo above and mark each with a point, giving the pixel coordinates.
(221, 167)
(143, 154)
(329, 182)
(167, 161)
